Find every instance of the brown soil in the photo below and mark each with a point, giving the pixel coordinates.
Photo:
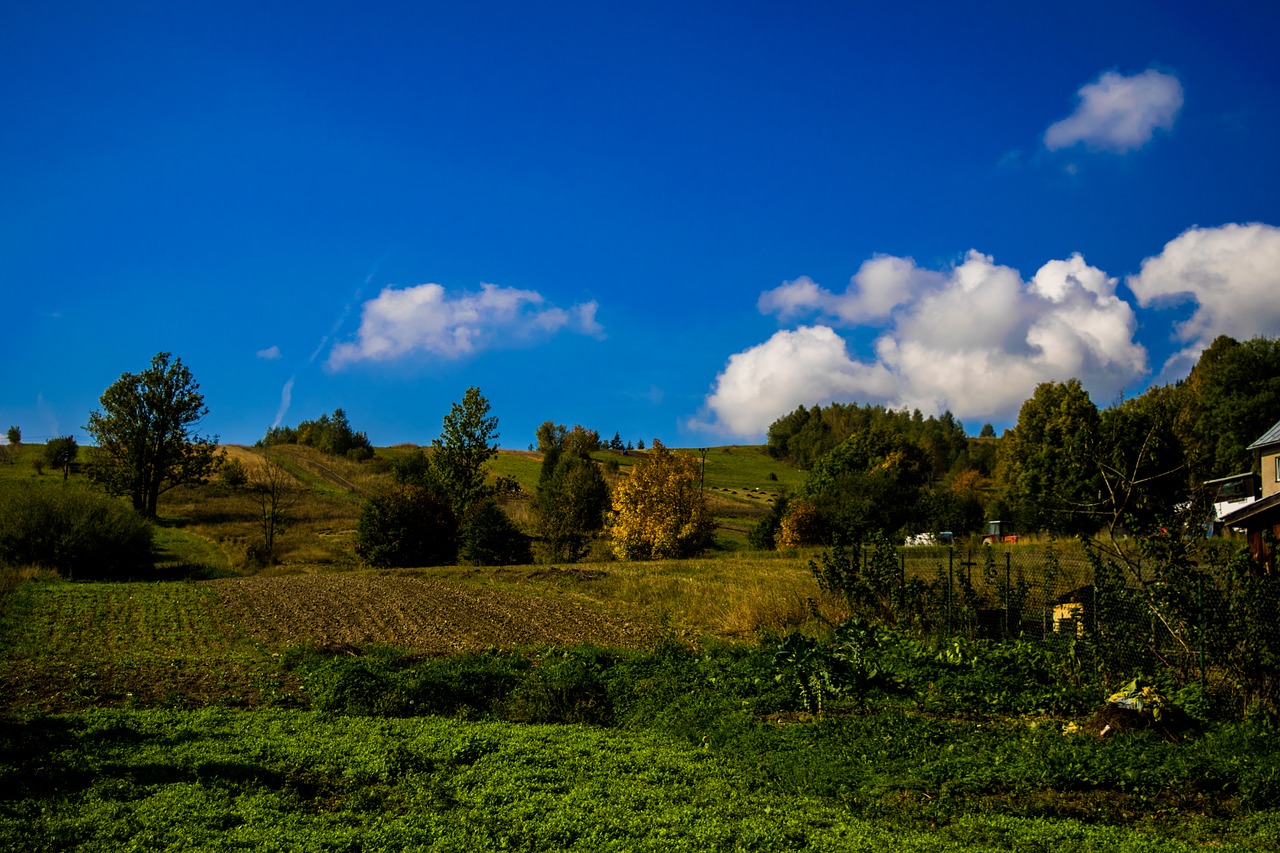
(1112, 720)
(413, 612)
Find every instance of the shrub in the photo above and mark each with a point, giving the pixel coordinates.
(78, 532)
(488, 537)
(233, 474)
(564, 687)
(406, 526)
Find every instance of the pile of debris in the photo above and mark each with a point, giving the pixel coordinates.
(1139, 707)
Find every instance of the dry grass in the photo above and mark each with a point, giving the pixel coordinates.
(729, 597)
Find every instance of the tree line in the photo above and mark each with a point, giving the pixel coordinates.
(1067, 466)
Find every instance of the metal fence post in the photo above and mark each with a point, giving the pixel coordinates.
(951, 582)
(1008, 592)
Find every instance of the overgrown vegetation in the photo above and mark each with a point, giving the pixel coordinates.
(73, 530)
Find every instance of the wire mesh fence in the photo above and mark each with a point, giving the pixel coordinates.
(1190, 614)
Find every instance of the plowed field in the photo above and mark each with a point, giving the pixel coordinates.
(423, 614)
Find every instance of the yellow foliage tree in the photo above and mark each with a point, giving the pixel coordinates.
(801, 526)
(659, 512)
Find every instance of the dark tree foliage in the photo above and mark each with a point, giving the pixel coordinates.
(1142, 463)
(1231, 397)
(60, 453)
(488, 537)
(1048, 463)
(414, 469)
(806, 435)
(871, 482)
(406, 526)
(144, 434)
(468, 440)
(331, 434)
(572, 496)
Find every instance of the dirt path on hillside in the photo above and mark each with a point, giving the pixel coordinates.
(414, 612)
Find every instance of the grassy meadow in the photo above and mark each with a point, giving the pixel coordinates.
(317, 705)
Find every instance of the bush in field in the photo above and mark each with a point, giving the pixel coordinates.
(800, 525)
(764, 533)
(233, 474)
(406, 526)
(488, 537)
(78, 532)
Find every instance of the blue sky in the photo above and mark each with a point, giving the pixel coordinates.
(671, 220)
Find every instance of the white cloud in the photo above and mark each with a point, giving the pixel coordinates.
(975, 339)
(1233, 275)
(270, 353)
(805, 366)
(1118, 113)
(426, 318)
(880, 285)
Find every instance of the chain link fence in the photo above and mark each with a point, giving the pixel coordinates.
(1206, 615)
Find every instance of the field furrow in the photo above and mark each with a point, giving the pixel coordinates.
(413, 612)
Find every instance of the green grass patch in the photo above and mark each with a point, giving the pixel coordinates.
(294, 780)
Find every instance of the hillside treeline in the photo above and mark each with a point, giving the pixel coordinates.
(806, 435)
(1066, 467)
(332, 434)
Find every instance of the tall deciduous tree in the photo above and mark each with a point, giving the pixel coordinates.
(1049, 463)
(572, 496)
(60, 452)
(468, 439)
(870, 482)
(145, 434)
(660, 512)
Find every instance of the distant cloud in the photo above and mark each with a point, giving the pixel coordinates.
(1118, 113)
(880, 285)
(286, 398)
(1231, 272)
(427, 319)
(975, 339)
(270, 353)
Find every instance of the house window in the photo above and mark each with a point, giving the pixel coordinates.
(1278, 469)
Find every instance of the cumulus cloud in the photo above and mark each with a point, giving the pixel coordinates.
(880, 285)
(792, 368)
(975, 339)
(428, 319)
(1118, 113)
(1231, 272)
(270, 353)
